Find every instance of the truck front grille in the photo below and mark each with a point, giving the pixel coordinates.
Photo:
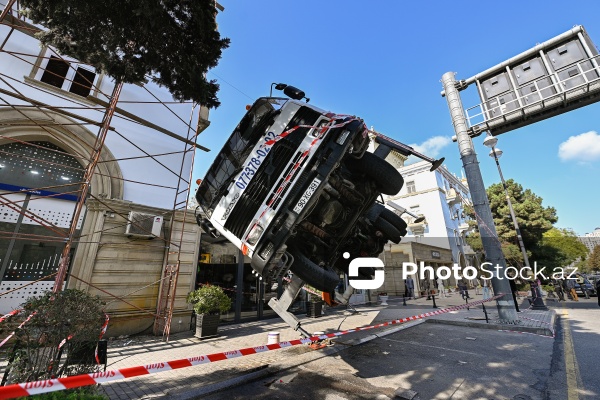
(267, 175)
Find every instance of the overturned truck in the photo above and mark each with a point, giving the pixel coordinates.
(295, 189)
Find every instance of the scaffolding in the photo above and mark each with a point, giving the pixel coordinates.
(76, 111)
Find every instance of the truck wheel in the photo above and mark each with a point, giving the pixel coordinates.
(395, 220)
(388, 179)
(379, 211)
(323, 279)
(388, 230)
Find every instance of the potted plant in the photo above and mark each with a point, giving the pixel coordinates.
(384, 298)
(208, 302)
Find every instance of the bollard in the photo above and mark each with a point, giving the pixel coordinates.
(486, 316)
(433, 297)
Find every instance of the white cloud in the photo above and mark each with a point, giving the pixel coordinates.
(582, 148)
(432, 146)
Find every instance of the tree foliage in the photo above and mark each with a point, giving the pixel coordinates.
(171, 42)
(594, 259)
(533, 217)
(559, 248)
(54, 317)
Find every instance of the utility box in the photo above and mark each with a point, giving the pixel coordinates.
(144, 225)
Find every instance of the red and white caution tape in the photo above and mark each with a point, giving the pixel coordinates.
(70, 382)
(102, 332)
(10, 314)
(19, 327)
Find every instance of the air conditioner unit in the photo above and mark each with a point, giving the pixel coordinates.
(144, 225)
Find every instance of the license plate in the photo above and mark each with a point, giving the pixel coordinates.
(307, 195)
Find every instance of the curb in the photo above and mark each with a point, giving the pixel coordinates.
(283, 365)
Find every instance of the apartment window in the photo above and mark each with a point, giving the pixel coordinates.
(68, 76)
(410, 187)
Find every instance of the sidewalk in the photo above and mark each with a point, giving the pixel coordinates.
(531, 321)
(189, 382)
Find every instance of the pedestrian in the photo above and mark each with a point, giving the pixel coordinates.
(410, 287)
(426, 287)
(565, 287)
(571, 286)
(441, 288)
(581, 283)
(462, 286)
(559, 291)
(486, 289)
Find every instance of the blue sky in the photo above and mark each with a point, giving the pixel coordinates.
(383, 61)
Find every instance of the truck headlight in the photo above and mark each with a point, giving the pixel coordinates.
(255, 234)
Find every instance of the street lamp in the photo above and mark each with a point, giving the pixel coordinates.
(491, 141)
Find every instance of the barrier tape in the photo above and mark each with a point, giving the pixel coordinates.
(15, 331)
(70, 382)
(102, 332)
(10, 314)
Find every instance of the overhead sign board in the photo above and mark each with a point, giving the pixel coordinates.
(554, 77)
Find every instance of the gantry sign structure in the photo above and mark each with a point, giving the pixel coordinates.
(554, 77)
(94, 183)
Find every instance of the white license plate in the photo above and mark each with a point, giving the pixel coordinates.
(307, 195)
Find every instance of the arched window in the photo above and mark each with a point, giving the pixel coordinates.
(39, 186)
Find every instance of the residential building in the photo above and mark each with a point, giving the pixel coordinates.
(440, 197)
(591, 240)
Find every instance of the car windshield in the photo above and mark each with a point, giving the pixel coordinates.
(235, 151)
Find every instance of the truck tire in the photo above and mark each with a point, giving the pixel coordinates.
(323, 279)
(388, 179)
(395, 220)
(379, 211)
(388, 230)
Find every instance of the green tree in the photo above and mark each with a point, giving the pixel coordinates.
(594, 259)
(559, 248)
(534, 220)
(171, 42)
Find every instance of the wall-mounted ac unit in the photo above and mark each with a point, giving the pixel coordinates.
(144, 225)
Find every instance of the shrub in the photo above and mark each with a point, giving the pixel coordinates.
(58, 316)
(209, 299)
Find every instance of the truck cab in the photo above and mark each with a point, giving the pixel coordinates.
(295, 189)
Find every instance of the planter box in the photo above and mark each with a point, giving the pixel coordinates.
(314, 309)
(207, 325)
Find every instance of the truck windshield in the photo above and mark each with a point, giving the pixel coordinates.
(235, 151)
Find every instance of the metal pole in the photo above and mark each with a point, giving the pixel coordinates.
(491, 244)
(538, 301)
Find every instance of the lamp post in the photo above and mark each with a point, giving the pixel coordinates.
(491, 141)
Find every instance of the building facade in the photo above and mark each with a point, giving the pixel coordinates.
(440, 197)
(49, 124)
(591, 240)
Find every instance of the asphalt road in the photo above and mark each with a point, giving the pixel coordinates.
(437, 361)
